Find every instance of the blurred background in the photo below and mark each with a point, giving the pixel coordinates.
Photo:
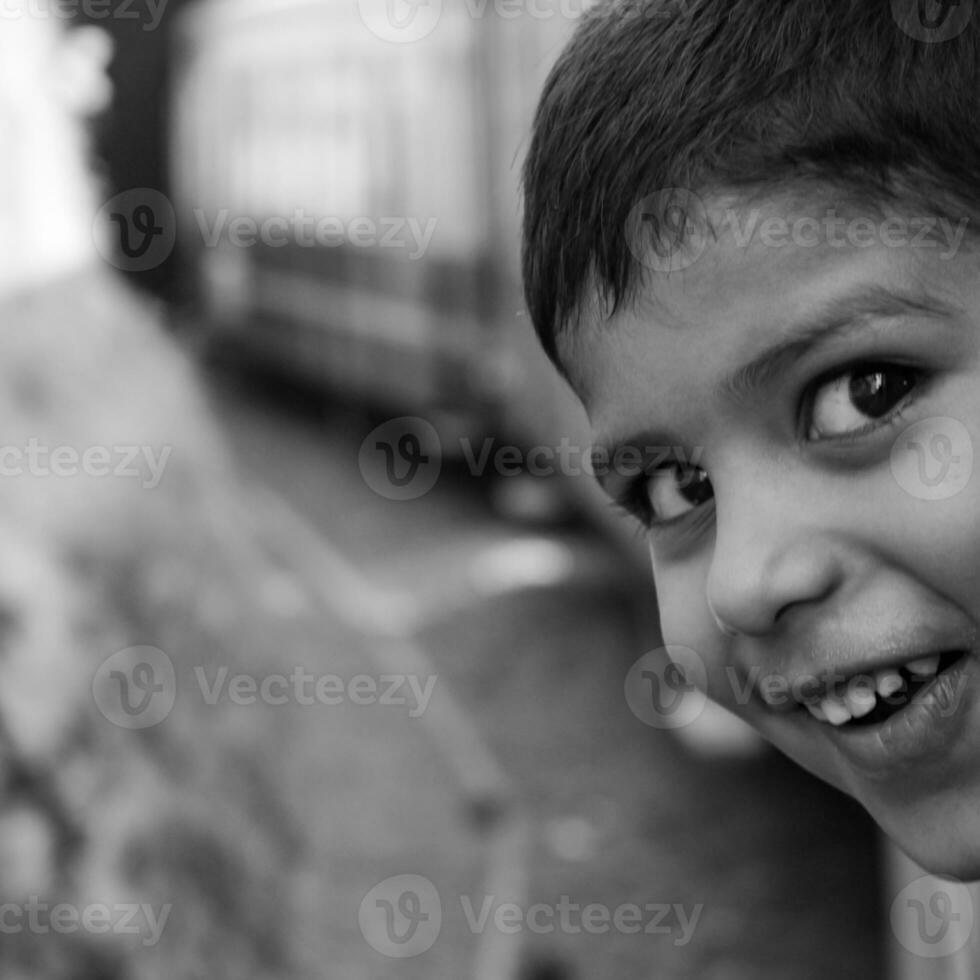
(318, 639)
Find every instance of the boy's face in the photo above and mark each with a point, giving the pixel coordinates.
(830, 532)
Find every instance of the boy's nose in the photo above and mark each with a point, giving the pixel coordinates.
(773, 555)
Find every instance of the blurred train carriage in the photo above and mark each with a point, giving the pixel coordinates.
(298, 112)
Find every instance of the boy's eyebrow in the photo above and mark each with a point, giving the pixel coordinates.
(835, 318)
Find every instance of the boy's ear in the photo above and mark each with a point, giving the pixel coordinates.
(80, 70)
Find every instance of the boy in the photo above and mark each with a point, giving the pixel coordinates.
(750, 237)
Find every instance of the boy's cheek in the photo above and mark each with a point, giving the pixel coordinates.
(686, 621)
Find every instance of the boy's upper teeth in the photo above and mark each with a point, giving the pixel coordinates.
(888, 681)
(924, 666)
(858, 697)
(817, 711)
(835, 710)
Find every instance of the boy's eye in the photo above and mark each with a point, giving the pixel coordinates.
(675, 490)
(851, 402)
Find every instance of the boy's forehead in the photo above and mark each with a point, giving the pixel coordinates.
(751, 286)
(740, 286)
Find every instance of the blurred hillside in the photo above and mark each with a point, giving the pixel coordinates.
(245, 824)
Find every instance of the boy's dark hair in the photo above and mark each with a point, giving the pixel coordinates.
(735, 95)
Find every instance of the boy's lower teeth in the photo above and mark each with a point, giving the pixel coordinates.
(840, 716)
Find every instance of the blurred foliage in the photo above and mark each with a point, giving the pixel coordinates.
(180, 814)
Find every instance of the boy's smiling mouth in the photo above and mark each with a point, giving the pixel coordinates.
(870, 697)
(902, 710)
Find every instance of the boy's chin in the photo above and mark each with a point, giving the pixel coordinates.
(944, 862)
(931, 813)
(941, 841)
